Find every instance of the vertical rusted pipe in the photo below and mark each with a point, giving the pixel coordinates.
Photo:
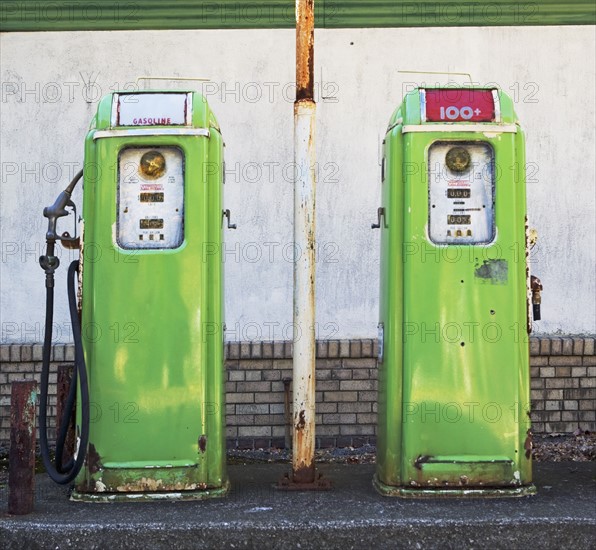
(305, 46)
(21, 458)
(63, 387)
(303, 467)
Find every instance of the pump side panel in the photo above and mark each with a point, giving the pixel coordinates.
(152, 333)
(391, 314)
(215, 441)
(524, 425)
(465, 346)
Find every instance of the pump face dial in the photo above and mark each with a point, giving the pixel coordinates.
(461, 192)
(458, 159)
(152, 165)
(150, 198)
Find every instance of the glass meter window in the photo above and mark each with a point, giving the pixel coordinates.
(150, 198)
(461, 187)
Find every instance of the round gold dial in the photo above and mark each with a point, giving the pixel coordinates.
(152, 165)
(458, 159)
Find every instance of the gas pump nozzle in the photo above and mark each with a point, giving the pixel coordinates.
(57, 210)
(49, 262)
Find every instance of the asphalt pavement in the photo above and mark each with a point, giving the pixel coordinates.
(352, 515)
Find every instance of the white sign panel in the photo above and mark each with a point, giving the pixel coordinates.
(151, 109)
(461, 192)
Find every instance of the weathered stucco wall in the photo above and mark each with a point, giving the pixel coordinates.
(51, 83)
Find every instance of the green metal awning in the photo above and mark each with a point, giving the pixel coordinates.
(78, 15)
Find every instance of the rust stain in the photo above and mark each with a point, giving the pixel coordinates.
(304, 474)
(21, 465)
(528, 291)
(21, 472)
(22, 404)
(482, 474)
(312, 483)
(63, 387)
(537, 288)
(311, 141)
(301, 421)
(305, 40)
(93, 459)
(303, 469)
(80, 282)
(148, 484)
(528, 444)
(72, 243)
(203, 443)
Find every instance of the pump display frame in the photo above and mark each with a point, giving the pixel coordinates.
(447, 223)
(141, 198)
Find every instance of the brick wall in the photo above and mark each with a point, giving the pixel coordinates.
(563, 388)
(346, 393)
(563, 384)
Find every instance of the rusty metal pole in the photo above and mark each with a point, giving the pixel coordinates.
(62, 389)
(303, 465)
(21, 458)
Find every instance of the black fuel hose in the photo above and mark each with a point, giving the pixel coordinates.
(59, 473)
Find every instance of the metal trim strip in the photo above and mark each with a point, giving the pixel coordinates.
(114, 113)
(484, 128)
(497, 104)
(423, 105)
(188, 118)
(151, 131)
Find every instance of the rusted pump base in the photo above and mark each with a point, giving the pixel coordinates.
(204, 494)
(451, 492)
(286, 483)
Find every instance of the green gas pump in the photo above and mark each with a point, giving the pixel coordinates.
(454, 299)
(150, 405)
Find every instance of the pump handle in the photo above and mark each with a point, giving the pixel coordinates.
(49, 262)
(58, 210)
(380, 215)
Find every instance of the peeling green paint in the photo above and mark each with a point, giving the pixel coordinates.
(495, 272)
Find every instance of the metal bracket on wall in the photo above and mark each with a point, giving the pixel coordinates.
(380, 214)
(226, 214)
